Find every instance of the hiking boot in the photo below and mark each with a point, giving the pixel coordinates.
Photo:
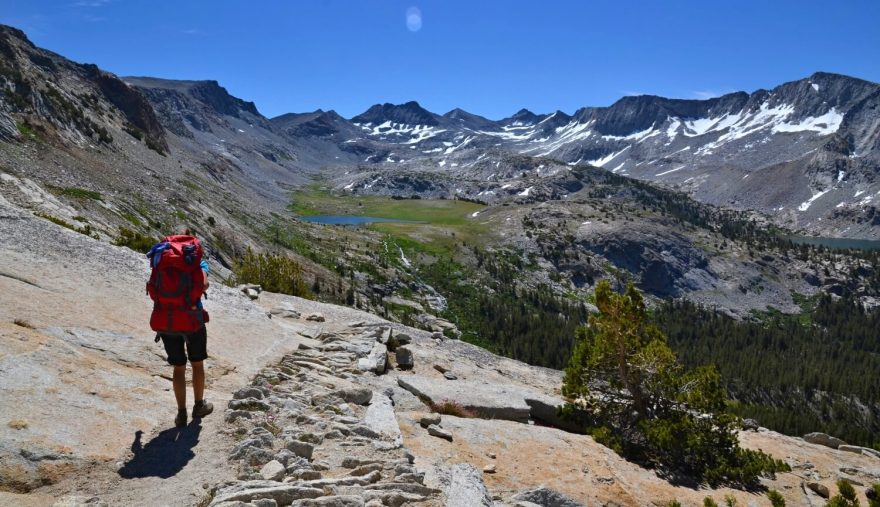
(180, 420)
(202, 408)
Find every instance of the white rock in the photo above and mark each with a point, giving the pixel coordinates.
(272, 471)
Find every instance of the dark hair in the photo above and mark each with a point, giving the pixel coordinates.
(188, 231)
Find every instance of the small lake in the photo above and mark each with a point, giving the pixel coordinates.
(837, 243)
(352, 220)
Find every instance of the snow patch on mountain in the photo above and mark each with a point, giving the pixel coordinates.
(804, 206)
(825, 124)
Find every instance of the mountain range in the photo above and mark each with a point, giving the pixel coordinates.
(806, 153)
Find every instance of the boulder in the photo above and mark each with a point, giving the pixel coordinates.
(272, 471)
(376, 361)
(545, 498)
(823, 439)
(403, 338)
(301, 449)
(437, 431)
(750, 425)
(491, 401)
(380, 417)
(819, 489)
(315, 317)
(428, 420)
(405, 358)
(466, 488)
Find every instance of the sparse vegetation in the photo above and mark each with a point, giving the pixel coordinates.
(78, 193)
(85, 229)
(846, 496)
(273, 272)
(134, 240)
(23, 323)
(17, 424)
(453, 408)
(776, 499)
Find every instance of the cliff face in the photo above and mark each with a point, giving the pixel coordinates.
(80, 101)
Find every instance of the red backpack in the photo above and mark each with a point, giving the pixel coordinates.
(176, 285)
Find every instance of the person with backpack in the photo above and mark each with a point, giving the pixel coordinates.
(178, 280)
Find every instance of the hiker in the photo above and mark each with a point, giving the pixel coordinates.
(178, 280)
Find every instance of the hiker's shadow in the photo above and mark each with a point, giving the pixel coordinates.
(163, 456)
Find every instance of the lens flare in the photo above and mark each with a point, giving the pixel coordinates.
(413, 19)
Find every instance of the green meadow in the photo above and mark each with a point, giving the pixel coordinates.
(442, 222)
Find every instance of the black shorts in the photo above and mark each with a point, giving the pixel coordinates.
(196, 345)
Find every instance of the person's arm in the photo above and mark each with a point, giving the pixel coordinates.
(204, 266)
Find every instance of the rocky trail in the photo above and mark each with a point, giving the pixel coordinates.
(315, 404)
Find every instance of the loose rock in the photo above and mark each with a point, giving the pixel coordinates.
(819, 489)
(405, 358)
(437, 431)
(301, 449)
(272, 471)
(428, 420)
(466, 488)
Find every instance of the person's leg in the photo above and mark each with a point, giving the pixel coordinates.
(177, 358)
(180, 385)
(196, 347)
(198, 368)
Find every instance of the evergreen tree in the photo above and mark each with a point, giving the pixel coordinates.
(629, 391)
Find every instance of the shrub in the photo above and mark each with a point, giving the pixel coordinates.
(874, 496)
(17, 424)
(650, 409)
(133, 131)
(708, 502)
(846, 496)
(80, 193)
(448, 407)
(273, 272)
(23, 323)
(134, 240)
(776, 499)
(153, 145)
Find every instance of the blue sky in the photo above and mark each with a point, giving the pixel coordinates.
(488, 57)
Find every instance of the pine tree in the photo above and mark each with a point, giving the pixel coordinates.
(627, 388)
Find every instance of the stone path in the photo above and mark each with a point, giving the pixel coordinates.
(308, 435)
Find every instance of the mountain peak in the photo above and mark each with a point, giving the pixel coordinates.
(409, 113)
(208, 91)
